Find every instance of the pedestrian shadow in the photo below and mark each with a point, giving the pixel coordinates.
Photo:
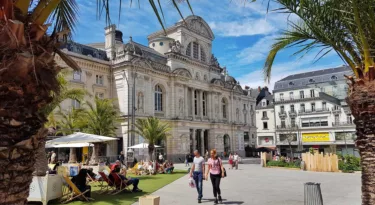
(225, 201)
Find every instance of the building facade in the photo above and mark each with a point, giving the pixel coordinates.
(311, 111)
(265, 123)
(175, 78)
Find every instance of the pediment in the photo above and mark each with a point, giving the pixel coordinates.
(198, 25)
(183, 72)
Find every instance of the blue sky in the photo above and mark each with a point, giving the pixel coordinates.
(243, 34)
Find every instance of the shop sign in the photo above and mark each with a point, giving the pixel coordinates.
(315, 137)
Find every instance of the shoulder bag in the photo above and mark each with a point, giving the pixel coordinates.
(221, 165)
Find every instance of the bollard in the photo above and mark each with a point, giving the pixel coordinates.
(313, 194)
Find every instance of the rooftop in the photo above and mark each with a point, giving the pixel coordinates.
(302, 80)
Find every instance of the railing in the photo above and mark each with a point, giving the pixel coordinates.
(265, 118)
(292, 113)
(299, 97)
(342, 124)
(282, 113)
(284, 127)
(316, 110)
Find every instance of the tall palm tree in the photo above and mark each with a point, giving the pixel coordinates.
(100, 119)
(347, 28)
(153, 130)
(28, 80)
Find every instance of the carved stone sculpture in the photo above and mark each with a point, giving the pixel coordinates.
(175, 46)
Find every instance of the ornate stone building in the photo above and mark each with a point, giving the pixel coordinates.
(177, 79)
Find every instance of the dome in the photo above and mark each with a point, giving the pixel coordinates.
(132, 48)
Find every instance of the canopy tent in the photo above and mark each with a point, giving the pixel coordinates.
(141, 146)
(80, 137)
(265, 149)
(69, 145)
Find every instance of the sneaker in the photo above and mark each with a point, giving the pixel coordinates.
(220, 200)
(215, 202)
(199, 201)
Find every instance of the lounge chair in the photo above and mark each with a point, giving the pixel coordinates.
(74, 192)
(119, 183)
(135, 170)
(110, 187)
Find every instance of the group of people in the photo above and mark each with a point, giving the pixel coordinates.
(116, 168)
(233, 160)
(215, 170)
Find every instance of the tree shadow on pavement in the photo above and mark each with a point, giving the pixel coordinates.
(225, 201)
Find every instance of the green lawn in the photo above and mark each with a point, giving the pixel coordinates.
(148, 184)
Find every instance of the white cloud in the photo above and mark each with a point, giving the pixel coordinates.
(246, 27)
(256, 52)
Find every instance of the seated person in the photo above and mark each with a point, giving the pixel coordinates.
(80, 182)
(94, 176)
(169, 168)
(122, 174)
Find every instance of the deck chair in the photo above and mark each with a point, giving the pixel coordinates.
(75, 192)
(134, 170)
(90, 180)
(110, 187)
(119, 183)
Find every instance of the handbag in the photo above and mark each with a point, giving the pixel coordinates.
(225, 171)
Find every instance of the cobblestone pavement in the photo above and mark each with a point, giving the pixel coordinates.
(251, 184)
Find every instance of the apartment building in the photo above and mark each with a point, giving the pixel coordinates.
(311, 111)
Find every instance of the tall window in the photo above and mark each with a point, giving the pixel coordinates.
(203, 55)
(336, 107)
(188, 50)
(301, 94)
(349, 119)
(264, 114)
(281, 96)
(195, 102)
(292, 122)
(195, 50)
(282, 110)
(324, 105)
(204, 99)
(313, 107)
(244, 114)
(265, 125)
(76, 104)
(302, 107)
(224, 107)
(312, 93)
(158, 98)
(291, 95)
(264, 104)
(99, 79)
(291, 108)
(337, 119)
(77, 76)
(283, 124)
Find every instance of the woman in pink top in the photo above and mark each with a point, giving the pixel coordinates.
(216, 170)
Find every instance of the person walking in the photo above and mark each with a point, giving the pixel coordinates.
(235, 160)
(53, 157)
(196, 172)
(187, 160)
(161, 158)
(216, 170)
(230, 159)
(122, 158)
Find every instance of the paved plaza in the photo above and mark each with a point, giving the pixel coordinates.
(252, 184)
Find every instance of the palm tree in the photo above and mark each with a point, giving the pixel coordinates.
(99, 119)
(347, 28)
(28, 83)
(153, 130)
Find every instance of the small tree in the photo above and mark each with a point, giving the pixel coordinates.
(290, 133)
(153, 130)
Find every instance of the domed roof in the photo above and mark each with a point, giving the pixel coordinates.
(161, 38)
(132, 48)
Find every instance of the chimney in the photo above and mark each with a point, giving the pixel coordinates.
(110, 41)
(247, 87)
(259, 89)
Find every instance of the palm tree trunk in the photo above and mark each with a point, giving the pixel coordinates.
(362, 104)
(17, 165)
(41, 162)
(73, 155)
(95, 155)
(150, 151)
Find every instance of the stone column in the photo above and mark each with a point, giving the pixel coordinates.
(203, 149)
(192, 103)
(194, 141)
(200, 101)
(186, 107)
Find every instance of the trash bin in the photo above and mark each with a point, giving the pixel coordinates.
(149, 200)
(313, 194)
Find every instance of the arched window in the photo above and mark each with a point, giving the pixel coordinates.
(158, 98)
(204, 103)
(188, 50)
(224, 107)
(195, 50)
(203, 55)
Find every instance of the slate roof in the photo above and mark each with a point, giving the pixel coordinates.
(85, 50)
(302, 80)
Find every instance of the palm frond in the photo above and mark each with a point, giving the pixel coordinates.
(65, 16)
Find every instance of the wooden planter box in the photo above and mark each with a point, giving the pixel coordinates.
(149, 200)
(44, 189)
